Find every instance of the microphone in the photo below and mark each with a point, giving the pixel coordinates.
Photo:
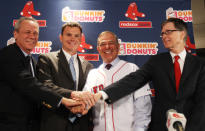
(175, 121)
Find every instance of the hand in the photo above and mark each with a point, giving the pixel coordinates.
(68, 103)
(97, 96)
(85, 96)
(79, 110)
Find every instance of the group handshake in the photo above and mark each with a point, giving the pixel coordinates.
(80, 101)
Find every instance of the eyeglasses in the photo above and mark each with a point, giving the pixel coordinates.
(167, 32)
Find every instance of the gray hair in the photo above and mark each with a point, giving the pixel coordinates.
(109, 32)
(18, 23)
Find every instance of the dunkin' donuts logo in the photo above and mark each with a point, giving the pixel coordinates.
(82, 15)
(185, 15)
(138, 48)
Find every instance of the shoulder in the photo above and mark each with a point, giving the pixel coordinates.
(85, 62)
(95, 71)
(195, 59)
(129, 65)
(50, 54)
(10, 52)
(161, 55)
(159, 58)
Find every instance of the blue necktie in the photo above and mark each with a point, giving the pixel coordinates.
(72, 117)
(72, 69)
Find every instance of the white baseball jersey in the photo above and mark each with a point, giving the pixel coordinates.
(131, 113)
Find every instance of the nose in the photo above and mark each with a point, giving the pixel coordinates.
(107, 46)
(163, 36)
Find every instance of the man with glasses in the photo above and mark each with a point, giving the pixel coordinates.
(178, 79)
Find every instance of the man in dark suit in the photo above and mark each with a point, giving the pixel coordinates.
(54, 69)
(184, 92)
(20, 90)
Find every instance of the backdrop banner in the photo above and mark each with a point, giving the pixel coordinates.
(136, 23)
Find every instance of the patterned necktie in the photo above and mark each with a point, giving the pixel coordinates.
(177, 72)
(108, 66)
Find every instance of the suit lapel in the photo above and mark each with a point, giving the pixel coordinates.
(34, 64)
(82, 69)
(20, 54)
(167, 65)
(63, 64)
(188, 66)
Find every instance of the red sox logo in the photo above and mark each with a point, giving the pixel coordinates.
(28, 10)
(133, 13)
(84, 45)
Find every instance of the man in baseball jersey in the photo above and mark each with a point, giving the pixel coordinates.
(131, 113)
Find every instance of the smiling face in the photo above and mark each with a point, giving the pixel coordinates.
(108, 47)
(71, 39)
(26, 36)
(173, 41)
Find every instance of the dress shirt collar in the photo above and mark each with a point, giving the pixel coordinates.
(113, 63)
(182, 55)
(68, 56)
(25, 54)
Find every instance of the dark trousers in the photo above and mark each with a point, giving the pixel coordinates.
(17, 123)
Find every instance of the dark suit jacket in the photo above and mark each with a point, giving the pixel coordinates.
(19, 91)
(53, 69)
(190, 100)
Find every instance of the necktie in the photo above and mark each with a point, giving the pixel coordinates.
(72, 117)
(28, 63)
(72, 69)
(108, 66)
(177, 72)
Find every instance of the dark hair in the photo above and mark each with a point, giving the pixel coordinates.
(178, 24)
(71, 24)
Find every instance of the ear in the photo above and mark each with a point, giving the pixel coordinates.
(98, 49)
(183, 34)
(60, 37)
(15, 34)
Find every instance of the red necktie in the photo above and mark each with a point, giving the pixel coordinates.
(177, 72)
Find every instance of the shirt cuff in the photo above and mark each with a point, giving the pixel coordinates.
(140, 129)
(59, 103)
(104, 95)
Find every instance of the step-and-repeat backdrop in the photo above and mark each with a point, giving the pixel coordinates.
(136, 23)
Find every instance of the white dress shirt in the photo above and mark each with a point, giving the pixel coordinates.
(75, 62)
(181, 60)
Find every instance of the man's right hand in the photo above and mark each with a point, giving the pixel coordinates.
(85, 96)
(70, 103)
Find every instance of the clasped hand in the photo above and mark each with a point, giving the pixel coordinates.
(82, 101)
